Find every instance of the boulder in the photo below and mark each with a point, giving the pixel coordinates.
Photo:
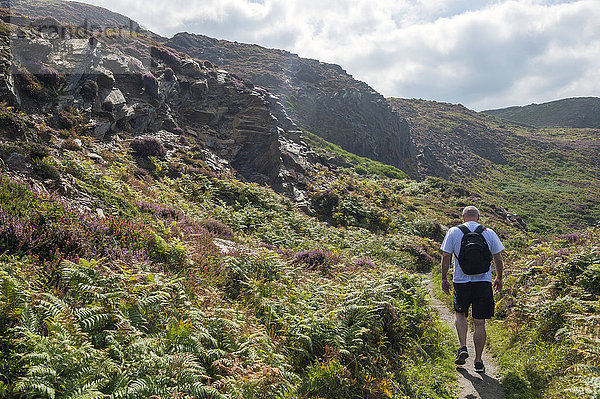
(99, 128)
(104, 78)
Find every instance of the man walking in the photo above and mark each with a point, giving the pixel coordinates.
(472, 279)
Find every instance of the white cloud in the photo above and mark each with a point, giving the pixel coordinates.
(483, 53)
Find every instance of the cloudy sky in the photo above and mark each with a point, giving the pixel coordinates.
(483, 54)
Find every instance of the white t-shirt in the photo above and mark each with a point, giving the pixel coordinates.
(451, 244)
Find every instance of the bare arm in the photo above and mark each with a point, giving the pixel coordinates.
(499, 264)
(446, 258)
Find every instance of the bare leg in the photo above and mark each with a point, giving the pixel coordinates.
(479, 338)
(460, 321)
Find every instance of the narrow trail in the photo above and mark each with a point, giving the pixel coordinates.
(471, 384)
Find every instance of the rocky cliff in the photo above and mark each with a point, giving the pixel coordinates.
(319, 97)
(119, 83)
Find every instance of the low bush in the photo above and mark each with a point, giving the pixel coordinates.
(44, 168)
(147, 146)
(317, 259)
(217, 228)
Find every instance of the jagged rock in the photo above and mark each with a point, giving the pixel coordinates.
(27, 49)
(191, 67)
(89, 90)
(95, 157)
(199, 88)
(8, 92)
(238, 127)
(150, 84)
(116, 98)
(255, 130)
(100, 128)
(319, 97)
(143, 117)
(105, 78)
(16, 161)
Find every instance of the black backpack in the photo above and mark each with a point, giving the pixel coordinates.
(475, 256)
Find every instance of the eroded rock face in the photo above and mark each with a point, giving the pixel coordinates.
(361, 122)
(319, 97)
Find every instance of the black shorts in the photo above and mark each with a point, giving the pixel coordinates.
(479, 294)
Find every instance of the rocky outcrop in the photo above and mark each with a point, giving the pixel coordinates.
(156, 93)
(319, 97)
(452, 140)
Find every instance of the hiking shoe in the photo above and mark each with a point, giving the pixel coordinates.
(479, 367)
(461, 356)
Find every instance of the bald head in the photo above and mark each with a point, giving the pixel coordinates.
(470, 214)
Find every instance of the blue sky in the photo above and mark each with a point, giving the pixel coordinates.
(483, 54)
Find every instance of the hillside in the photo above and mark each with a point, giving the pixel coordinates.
(580, 112)
(549, 177)
(170, 229)
(167, 231)
(319, 97)
(71, 13)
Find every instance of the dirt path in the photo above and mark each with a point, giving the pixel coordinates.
(471, 384)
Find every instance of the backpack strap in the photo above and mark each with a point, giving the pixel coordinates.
(480, 229)
(464, 229)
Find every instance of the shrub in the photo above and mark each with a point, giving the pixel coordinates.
(31, 85)
(571, 238)
(35, 150)
(326, 202)
(317, 259)
(590, 279)
(163, 211)
(45, 169)
(71, 144)
(67, 118)
(329, 379)
(217, 228)
(364, 263)
(147, 146)
(553, 316)
(48, 75)
(64, 120)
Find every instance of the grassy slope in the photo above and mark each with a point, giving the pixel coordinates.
(546, 330)
(296, 311)
(570, 112)
(303, 308)
(548, 176)
(546, 334)
(358, 164)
